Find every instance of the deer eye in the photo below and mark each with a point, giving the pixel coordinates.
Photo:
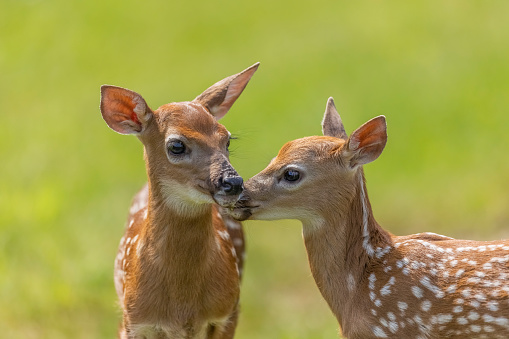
(291, 175)
(230, 138)
(176, 147)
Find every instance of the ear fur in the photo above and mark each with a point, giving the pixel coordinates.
(125, 111)
(332, 125)
(219, 98)
(367, 142)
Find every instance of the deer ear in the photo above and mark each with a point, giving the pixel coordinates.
(367, 142)
(219, 98)
(332, 125)
(125, 111)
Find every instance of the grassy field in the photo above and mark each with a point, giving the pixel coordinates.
(438, 70)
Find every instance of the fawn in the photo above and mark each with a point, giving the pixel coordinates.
(179, 263)
(377, 285)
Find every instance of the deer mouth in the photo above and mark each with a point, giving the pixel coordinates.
(243, 208)
(240, 214)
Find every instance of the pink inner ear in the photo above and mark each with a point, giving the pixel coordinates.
(134, 118)
(118, 108)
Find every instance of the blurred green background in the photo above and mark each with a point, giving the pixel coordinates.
(438, 70)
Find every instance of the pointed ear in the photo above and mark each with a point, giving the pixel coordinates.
(332, 125)
(219, 98)
(367, 142)
(125, 111)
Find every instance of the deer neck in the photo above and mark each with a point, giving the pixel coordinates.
(342, 245)
(177, 237)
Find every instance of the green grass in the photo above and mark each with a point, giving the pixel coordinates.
(437, 70)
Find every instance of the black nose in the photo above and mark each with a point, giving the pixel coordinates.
(232, 185)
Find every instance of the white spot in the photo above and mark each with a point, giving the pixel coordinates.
(466, 293)
(224, 235)
(373, 311)
(232, 224)
(444, 318)
(459, 273)
(488, 318)
(393, 326)
(451, 288)
(380, 252)
(402, 306)
(135, 238)
(417, 292)
(473, 315)
(372, 279)
(462, 321)
(372, 295)
(426, 305)
(402, 262)
(386, 290)
(487, 266)
(500, 260)
(130, 223)
(378, 303)
(365, 232)
(351, 282)
(379, 332)
(488, 328)
(474, 280)
(139, 247)
(480, 296)
(475, 303)
(426, 282)
(475, 328)
(492, 306)
(457, 309)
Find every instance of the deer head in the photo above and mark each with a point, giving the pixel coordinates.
(186, 149)
(310, 173)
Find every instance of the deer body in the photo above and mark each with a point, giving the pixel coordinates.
(377, 285)
(179, 264)
(186, 292)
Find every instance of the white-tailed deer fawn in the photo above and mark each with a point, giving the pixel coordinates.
(179, 263)
(378, 285)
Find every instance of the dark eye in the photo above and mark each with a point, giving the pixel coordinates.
(292, 175)
(176, 147)
(228, 144)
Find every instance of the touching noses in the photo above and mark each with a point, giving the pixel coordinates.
(232, 185)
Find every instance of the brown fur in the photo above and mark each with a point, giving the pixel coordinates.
(376, 284)
(178, 269)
